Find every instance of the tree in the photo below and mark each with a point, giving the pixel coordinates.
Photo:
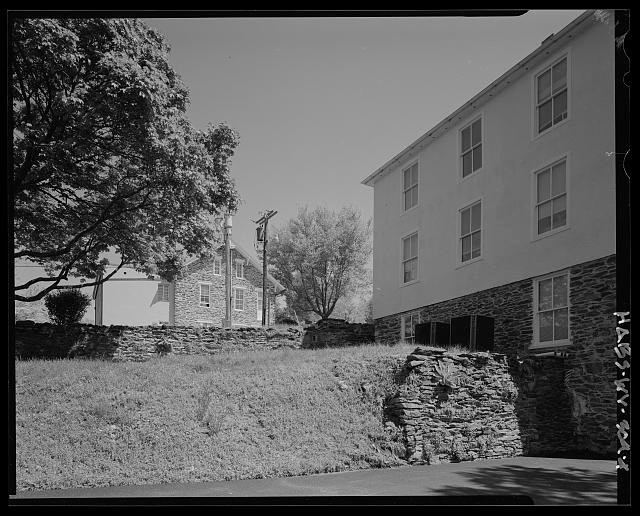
(319, 257)
(104, 158)
(67, 307)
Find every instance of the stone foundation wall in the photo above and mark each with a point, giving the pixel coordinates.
(337, 333)
(139, 343)
(592, 291)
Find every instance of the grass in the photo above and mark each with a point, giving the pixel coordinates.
(86, 423)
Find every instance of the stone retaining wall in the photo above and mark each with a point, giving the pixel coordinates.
(330, 333)
(456, 407)
(139, 343)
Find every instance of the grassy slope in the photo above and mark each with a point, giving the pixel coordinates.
(181, 419)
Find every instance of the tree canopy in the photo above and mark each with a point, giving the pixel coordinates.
(320, 256)
(104, 158)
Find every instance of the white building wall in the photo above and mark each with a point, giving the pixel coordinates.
(130, 298)
(505, 184)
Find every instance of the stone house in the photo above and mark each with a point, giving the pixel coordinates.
(196, 298)
(507, 207)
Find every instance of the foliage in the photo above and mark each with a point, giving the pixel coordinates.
(67, 306)
(103, 154)
(446, 375)
(320, 257)
(163, 347)
(286, 315)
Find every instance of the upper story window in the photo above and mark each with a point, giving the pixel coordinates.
(551, 96)
(470, 232)
(239, 269)
(551, 197)
(410, 186)
(238, 299)
(205, 297)
(471, 147)
(551, 301)
(217, 265)
(163, 292)
(410, 258)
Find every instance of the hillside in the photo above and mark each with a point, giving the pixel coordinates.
(194, 418)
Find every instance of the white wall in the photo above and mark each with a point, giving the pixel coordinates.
(129, 298)
(505, 183)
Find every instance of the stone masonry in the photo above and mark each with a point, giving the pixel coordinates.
(140, 343)
(331, 333)
(453, 408)
(188, 310)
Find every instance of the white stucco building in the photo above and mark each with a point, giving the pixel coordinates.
(507, 207)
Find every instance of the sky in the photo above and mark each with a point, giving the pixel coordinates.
(321, 103)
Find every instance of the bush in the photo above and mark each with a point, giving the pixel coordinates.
(67, 306)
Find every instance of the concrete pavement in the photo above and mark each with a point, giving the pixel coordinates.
(547, 481)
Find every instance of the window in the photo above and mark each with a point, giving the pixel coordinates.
(408, 328)
(163, 292)
(217, 266)
(239, 269)
(551, 197)
(238, 299)
(204, 294)
(259, 303)
(470, 232)
(552, 311)
(551, 96)
(205, 324)
(471, 147)
(410, 258)
(410, 186)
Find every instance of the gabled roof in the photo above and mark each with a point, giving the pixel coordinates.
(546, 46)
(253, 261)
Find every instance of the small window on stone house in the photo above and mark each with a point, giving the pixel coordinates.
(240, 269)
(163, 292)
(205, 298)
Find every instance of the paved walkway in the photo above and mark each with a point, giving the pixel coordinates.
(546, 481)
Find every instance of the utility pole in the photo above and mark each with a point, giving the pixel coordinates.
(227, 323)
(261, 236)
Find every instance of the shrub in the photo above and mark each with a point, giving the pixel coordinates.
(67, 306)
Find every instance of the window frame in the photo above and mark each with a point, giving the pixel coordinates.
(200, 302)
(566, 157)
(547, 65)
(563, 343)
(470, 121)
(416, 232)
(403, 169)
(165, 287)
(460, 236)
(403, 318)
(235, 298)
(217, 263)
(240, 262)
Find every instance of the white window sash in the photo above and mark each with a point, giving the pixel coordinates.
(537, 344)
(202, 296)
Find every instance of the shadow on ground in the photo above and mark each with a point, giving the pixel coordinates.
(563, 485)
